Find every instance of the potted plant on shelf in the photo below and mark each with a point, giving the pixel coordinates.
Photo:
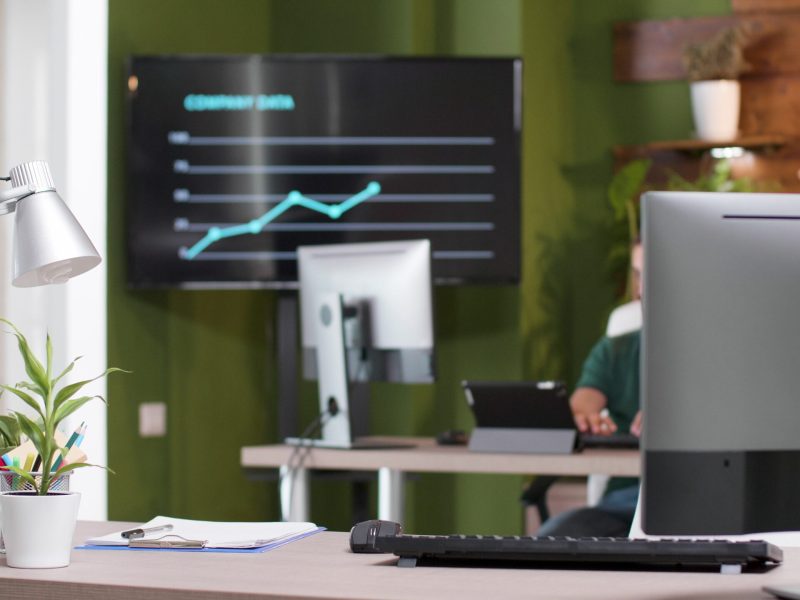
(713, 68)
(38, 524)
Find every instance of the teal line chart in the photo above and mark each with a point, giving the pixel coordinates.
(294, 198)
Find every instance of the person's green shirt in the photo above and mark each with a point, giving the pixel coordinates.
(612, 368)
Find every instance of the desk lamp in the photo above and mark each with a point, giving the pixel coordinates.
(50, 246)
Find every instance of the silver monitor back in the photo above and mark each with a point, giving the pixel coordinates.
(721, 363)
(366, 314)
(389, 283)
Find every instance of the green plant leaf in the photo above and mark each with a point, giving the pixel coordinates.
(27, 477)
(626, 185)
(70, 390)
(35, 434)
(49, 351)
(33, 367)
(70, 406)
(73, 466)
(27, 385)
(9, 429)
(30, 401)
(67, 370)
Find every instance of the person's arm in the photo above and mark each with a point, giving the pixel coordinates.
(588, 409)
(636, 425)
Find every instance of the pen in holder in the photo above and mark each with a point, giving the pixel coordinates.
(11, 482)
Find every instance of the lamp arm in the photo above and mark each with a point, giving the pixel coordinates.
(9, 198)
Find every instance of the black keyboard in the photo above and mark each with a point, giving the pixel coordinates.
(550, 551)
(615, 440)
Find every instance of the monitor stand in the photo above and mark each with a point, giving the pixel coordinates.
(345, 428)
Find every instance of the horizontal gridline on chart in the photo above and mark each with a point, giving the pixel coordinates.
(183, 166)
(187, 197)
(183, 138)
(289, 256)
(182, 225)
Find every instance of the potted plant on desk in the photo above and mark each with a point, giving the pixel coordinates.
(38, 524)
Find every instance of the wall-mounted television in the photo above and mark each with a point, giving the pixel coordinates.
(235, 161)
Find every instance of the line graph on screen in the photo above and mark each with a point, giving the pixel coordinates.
(294, 198)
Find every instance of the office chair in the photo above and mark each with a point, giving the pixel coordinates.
(624, 319)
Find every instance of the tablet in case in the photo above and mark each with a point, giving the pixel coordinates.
(521, 417)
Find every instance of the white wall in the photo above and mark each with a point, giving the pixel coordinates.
(53, 98)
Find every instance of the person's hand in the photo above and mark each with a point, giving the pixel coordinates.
(636, 424)
(589, 411)
(597, 422)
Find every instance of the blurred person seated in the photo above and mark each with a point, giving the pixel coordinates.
(606, 400)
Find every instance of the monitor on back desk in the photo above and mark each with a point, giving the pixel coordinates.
(721, 363)
(366, 315)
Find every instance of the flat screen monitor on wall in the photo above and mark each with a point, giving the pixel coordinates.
(366, 315)
(721, 345)
(235, 161)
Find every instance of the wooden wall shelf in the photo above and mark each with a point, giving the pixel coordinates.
(648, 51)
(764, 142)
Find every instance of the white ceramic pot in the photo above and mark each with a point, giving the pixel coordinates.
(715, 108)
(38, 530)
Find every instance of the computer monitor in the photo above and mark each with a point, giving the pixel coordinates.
(367, 315)
(721, 363)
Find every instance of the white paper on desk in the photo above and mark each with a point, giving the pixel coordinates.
(216, 534)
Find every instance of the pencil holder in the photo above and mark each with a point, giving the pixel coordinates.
(11, 482)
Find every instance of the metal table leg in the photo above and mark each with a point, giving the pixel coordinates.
(293, 490)
(391, 495)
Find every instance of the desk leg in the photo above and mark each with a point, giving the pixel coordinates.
(391, 495)
(293, 490)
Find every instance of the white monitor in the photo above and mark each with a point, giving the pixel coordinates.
(721, 363)
(367, 315)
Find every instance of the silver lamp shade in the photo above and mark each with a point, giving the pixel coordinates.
(50, 246)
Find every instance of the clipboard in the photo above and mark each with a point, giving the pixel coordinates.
(207, 536)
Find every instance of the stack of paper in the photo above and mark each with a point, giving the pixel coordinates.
(209, 534)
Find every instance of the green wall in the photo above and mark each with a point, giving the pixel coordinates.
(211, 356)
(203, 353)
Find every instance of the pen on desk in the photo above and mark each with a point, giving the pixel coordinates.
(81, 430)
(139, 532)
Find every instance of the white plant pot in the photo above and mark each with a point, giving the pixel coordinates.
(715, 108)
(38, 530)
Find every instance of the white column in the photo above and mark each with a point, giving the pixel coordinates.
(53, 108)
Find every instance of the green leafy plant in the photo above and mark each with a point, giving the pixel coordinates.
(629, 183)
(53, 405)
(623, 195)
(719, 179)
(9, 433)
(719, 57)
(624, 190)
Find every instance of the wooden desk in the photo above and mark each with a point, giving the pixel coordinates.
(321, 567)
(424, 457)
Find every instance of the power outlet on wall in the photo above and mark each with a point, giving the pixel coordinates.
(152, 419)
